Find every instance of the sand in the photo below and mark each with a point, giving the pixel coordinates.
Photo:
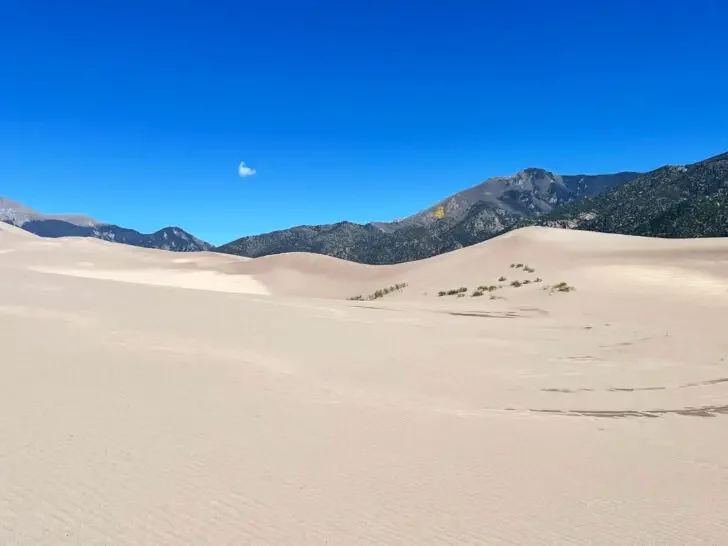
(149, 397)
(14, 231)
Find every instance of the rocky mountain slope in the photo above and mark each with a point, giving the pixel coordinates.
(672, 201)
(468, 217)
(76, 225)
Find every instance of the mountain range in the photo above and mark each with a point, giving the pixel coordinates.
(671, 201)
(683, 201)
(468, 217)
(78, 225)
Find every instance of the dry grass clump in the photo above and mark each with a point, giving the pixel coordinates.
(453, 292)
(380, 293)
(562, 287)
(488, 288)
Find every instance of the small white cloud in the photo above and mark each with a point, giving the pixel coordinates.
(244, 170)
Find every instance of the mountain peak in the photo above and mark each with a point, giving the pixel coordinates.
(535, 171)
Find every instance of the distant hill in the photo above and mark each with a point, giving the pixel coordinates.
(682, 201)
(468, 217)
(76, 225)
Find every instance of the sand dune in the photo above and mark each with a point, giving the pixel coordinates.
(11, 230)
(263, 407)
(200, 280)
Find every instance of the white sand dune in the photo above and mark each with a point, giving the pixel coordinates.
(10, 230)
(149, 397)
(200, 280)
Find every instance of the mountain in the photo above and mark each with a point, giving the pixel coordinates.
(528, 193)
(468, 217)
(77, 225)
(17, 214)
(682, 201)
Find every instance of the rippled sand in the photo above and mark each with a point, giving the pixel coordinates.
(154, 398)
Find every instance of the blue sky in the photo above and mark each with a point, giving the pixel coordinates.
(139, 113)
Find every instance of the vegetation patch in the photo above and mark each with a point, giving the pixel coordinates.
(380, 293)
(487, 288)
(562, 287)
(453, 292)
